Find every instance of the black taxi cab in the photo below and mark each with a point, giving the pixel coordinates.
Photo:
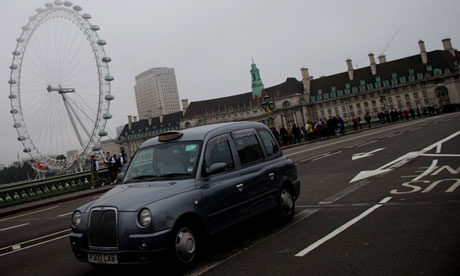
(181, 187)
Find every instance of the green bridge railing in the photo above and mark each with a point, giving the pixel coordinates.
(12, 194)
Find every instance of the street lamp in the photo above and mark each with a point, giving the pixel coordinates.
(268, 107)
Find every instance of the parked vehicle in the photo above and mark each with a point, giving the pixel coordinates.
(182, 186)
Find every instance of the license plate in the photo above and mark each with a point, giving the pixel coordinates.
(102, 258)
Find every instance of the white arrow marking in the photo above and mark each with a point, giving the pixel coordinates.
(400, 161)
(365, 154)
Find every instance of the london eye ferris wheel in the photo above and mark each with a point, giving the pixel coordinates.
(60, 86)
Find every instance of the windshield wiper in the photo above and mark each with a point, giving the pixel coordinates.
(172, 174)
(143, 177)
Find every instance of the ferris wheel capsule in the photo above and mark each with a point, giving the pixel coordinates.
(12, 97)
(96, 148)
(21, 138)
(13, 67)
(16, 125)
(95, 28)
(86, 16)
(77, 8)
(101, 42)
(16, 53)
(49, 5)
(109, 97)
(106, 59)
(68, 3)
(12, 82)
(27, 150)
(58, 2)
(107, 116)
(102, 133)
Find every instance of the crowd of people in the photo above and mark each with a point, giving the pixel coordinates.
(115, 164)
(324, 128)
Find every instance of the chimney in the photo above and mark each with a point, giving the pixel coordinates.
(184, 105)
(373, 65)
(350, 69)
(130, 121)
(306, 79)
(448, 46)
(382, 59)
(135, 119)
(150, 120)
(423, 53)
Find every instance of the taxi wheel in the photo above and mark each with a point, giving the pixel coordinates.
(286, 208)
(185, 245)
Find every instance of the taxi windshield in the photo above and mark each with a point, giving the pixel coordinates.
(164, 162)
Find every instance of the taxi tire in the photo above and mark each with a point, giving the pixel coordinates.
(185, 245)
(286, 204)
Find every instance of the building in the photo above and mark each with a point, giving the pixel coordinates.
(419, 81)
(111, 146)
(416, 82)
(136, 132)
(156, 93)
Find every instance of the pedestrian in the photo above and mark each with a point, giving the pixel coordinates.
(95, 172)
(110, 162)
(123, 159)
(367, 117)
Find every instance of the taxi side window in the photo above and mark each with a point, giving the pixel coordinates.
(247, 146)
(271, 147)
(218, 151)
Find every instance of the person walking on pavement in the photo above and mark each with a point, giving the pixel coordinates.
(95, 172)
(123, 159)
(110, 162)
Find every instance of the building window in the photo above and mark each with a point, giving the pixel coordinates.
(339, 93)
(400, 105)
(411, 72)
(419, 76)
(366, 105)
(329, 111)
(374, 103)
(429, 68)
(332, 88)
(358, 105)
(411, 78)
(322, 112)
(437, 72)
(351, 107)
(386, 83)
(336, 109)
(398, 98)
(415, 95)
(370, 86)
(402, 79)
(390, 99)
(354, 90)
(407, 97)
(424, 93)
(344, 108)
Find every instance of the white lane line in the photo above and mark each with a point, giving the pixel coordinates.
(39, 238)
(342, 228)
(368, 143)
(308, 159)
(65, 215)
(409, 176)
(343, 193)
(331, 154)
(23, 215)
(440, 155)
(12, 227)
(34, 245)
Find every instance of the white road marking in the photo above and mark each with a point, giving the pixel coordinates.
(360, 155)
(409, 176)
(308, 159)
(394, 135)
(331, 154)
(440, 155)
(343, 193)
(65, 215)
(23, 215)
(12, 227)
(39, 238)
(34, 245)
(367, 143)
(430, 169)
(398, 162)
(342, 228)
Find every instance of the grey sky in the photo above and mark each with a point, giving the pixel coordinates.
(210, 43)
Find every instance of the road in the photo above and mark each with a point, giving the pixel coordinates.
(384, 201)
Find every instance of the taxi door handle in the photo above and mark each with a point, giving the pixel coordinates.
(240, 187)
(271, 176)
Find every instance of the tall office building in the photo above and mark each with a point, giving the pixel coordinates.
(156, 93)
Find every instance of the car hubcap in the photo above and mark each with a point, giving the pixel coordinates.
(287, 202)
(185, 245)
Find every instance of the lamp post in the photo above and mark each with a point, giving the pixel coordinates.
(268, 107)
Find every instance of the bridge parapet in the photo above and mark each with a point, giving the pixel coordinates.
(39, 189)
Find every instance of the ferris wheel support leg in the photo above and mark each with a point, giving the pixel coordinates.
(70, 103)
(72, 121)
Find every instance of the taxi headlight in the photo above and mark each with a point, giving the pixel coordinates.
(76, 218)
(144, 217)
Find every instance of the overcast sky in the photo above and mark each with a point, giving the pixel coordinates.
(210, 43)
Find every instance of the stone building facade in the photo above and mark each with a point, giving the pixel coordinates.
(426, 79)
(419, 81)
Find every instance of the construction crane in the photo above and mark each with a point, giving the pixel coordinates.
(384, 49)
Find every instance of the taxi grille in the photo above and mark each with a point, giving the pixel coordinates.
(102, 229)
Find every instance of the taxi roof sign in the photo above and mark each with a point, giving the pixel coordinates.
(169, 136)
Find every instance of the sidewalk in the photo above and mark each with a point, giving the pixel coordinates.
(8, 211)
